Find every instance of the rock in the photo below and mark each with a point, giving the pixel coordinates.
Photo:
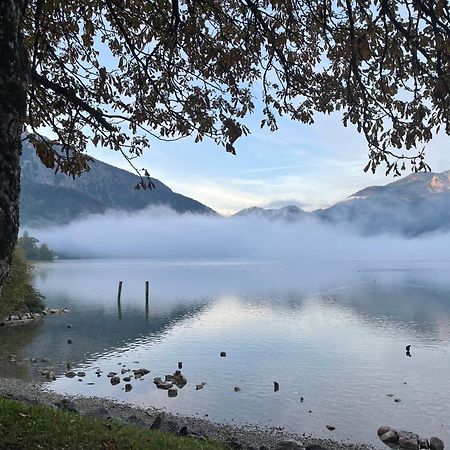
(390, 437)
(160, 384)
(314, 447)
(172, 392)
(69, 341)
(128, 387)
(123, 371)
(164, 424)
(111, 374)
(46, 360)
(383, 429)
(33, 360)
(330, 427)
(126, 379)
(408, 440)
(53, 311)
(49, 375)
(180, 365)
(198, 387)
(389, 395)
(223, 354)
(276, 386)
(67, 405)
(436, 444)
(177, 378)
(423, 443)
(81, 374)
(134, 420)
(70, 374)
(183, 431)
(140, 372)
(237, 389)
(288, 445)
(115, 380)
(69, 325)
(397, 400)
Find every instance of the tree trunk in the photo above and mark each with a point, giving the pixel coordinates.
(13, 95)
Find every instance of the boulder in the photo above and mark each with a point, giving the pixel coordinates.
(70, 374)
(128, 387)
(423, 443)
(390, 437)
(408, 440)
(436, 444)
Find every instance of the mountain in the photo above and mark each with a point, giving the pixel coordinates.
(287, 213)
(416, 204)
(47, 198)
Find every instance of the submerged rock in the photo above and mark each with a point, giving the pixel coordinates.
(70, 374)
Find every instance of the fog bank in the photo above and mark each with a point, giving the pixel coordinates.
(161, 233)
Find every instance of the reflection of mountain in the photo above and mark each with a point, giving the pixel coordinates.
(49, 199)
(100, 332)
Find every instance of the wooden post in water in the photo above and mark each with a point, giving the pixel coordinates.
(119, 294)
(146, 299)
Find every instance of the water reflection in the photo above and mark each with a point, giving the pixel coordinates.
(332, 337)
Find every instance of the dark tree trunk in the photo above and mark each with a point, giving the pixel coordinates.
(13, 94)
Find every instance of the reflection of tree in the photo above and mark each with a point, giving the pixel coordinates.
(14, 341)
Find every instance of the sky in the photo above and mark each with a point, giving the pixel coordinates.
(311, 166)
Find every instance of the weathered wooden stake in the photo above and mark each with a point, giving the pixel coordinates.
(146, 292)
(119, 291)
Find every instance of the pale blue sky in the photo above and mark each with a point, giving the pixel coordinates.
(310, 165)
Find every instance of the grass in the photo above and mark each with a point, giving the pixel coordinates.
(25, 427)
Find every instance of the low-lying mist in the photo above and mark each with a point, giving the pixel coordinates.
(161, 233)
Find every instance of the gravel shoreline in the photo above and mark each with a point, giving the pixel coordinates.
(248, 437)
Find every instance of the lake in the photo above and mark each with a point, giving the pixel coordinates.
(332, 334)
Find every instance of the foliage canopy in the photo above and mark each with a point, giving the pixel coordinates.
(120, 72)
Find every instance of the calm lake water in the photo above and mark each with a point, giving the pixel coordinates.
(334, 334)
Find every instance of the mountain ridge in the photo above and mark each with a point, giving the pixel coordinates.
(47, 198)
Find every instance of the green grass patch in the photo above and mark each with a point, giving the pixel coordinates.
(28, 427)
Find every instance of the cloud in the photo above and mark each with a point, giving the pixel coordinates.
(162, 234)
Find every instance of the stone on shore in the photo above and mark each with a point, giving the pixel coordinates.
(288, 445)
(408, 440)
(436, 444)
(388, 435)
(162, 423)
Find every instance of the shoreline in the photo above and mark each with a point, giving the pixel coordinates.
(245, 437)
